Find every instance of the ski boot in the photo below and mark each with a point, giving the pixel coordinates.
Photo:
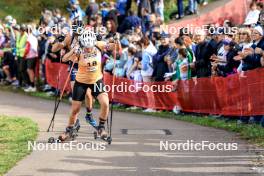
(69, 134)
(102, 134)
(89, 119)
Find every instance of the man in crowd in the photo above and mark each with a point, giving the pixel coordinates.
(20, 51)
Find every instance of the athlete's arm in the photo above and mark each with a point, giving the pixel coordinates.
(60, 45)
(72, 55)
(102, 45)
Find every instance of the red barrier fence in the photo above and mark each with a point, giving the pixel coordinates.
(53, 70)
(234, 95)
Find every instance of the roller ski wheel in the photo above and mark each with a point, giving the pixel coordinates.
(109, 140)
(95, 135)
(52, 140)
(102, 134)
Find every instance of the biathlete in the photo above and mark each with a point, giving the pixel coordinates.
(89, 76)
(69, 42)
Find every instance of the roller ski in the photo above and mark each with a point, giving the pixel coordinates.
(70, 134)
(101, 133)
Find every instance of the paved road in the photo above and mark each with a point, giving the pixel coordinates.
(135, 149)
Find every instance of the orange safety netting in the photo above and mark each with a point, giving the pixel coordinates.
(53, 70)
(235, 95)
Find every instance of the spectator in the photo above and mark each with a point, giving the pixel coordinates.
(160, 9)
(119, 70)
(111, 29)
(145, 21)
(143, 4)
(192, 7)
(148, 51)
(225, 64)
(31, 54)
(244, 42)
(8, 65)
(251, 57)
(2, 37)
(76, 13)
(202, 65)
(181, 66)
(130, 22)
(113, 13)
(128, 66)
(253, 14)
(21, 46)
(160, 66)
(180, 9)
(121, 8)
(92, 9)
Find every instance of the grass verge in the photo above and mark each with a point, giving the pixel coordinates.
(252, 132)
(14, 136)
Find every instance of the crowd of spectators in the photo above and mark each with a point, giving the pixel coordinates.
(148, 53)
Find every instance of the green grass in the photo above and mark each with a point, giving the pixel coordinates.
(253, 133)
(14, 136)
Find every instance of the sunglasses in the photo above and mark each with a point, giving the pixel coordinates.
(243, 33)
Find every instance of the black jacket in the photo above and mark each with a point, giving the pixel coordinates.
(203, 65)
(160, 67)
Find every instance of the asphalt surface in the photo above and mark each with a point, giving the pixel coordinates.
(135, 149)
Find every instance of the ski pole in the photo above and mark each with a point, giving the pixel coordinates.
(113, 92)
(58, 103)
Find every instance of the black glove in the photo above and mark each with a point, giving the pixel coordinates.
(61, 38)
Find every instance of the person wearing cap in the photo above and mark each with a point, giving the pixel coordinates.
(160, 66)
(252, 56)
(76, 13)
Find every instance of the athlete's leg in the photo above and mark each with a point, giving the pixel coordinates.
(89, 106)
(75, 109)
(104, 105)
(104, 110)
(89, 99)
(79, 91)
